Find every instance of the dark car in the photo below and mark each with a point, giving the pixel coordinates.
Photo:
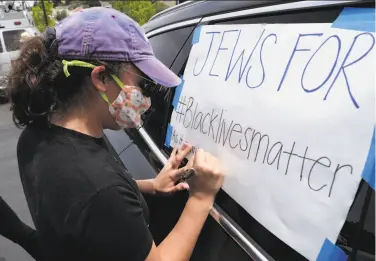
(230, 233)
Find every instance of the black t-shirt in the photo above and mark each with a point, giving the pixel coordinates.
(84, 204)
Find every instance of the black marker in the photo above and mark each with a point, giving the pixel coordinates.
(187, 175)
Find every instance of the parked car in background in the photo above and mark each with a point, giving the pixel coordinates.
(230, 233)
(12, 25)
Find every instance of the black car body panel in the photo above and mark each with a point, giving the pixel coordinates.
(170, 34)
(198, 9)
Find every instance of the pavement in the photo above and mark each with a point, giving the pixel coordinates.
(10, 184)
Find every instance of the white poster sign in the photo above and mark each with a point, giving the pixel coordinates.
(289, 110)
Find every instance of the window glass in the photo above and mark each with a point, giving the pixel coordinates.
(12, 40)
(166, 47)
(357, 237)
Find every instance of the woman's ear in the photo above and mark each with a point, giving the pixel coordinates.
(97, 77)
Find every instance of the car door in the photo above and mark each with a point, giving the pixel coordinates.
(230, 229)
(4, 66)
(357, 235)
(11, 40)
(4, 61)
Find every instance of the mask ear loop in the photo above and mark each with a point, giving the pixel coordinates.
(117, 80)
(87, 65)
(75, 63)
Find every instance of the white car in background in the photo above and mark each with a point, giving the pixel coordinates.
(12, 25)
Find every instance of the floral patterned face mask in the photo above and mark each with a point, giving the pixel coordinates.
(128, 106)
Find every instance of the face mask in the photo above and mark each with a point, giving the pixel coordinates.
(128, 106)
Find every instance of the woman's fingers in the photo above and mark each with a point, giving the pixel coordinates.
(210, 160)
(183, 153)
(177, 156)
(200, 158)
(172, 158)
(181, 186)
(178, 174)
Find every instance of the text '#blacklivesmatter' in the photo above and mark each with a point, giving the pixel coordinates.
(250, 141)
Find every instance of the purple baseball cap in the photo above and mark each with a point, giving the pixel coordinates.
(100, 33)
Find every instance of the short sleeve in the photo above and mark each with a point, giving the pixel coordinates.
(114, 227)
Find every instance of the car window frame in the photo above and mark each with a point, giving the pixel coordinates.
(166, 151)
(2, 46)
(168, 92)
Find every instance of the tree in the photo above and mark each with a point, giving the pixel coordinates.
(160, 6)
(56, 2)
(92, 3)
(38, 15)
(74, 5)
(140, 11)
(60, 15)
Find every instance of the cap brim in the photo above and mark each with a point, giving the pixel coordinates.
(158, 72)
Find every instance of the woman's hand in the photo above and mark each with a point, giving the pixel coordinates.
(208, 176)
(167, 180)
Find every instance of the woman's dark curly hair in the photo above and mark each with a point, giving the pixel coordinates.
(37, 84)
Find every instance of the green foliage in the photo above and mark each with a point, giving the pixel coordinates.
(160, 6)
(60, 15)
(56, 2)
(92, 3)
(75, 4)
(140, 11)
(83, 4)
(38, 15)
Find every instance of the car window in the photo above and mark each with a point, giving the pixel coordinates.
(357, 237)
(358, 233)
(12, 40)
(166, 47)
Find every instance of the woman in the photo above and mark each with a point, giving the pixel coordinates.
(12, 228)
(88, 74)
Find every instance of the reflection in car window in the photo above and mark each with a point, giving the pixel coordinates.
(358, 233)
(166, 47)
(12, 40)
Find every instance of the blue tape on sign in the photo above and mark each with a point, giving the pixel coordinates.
(368, 173)
(331, 252)
(196, 35)
(168, 136)
(178, 91)
(360, 19)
